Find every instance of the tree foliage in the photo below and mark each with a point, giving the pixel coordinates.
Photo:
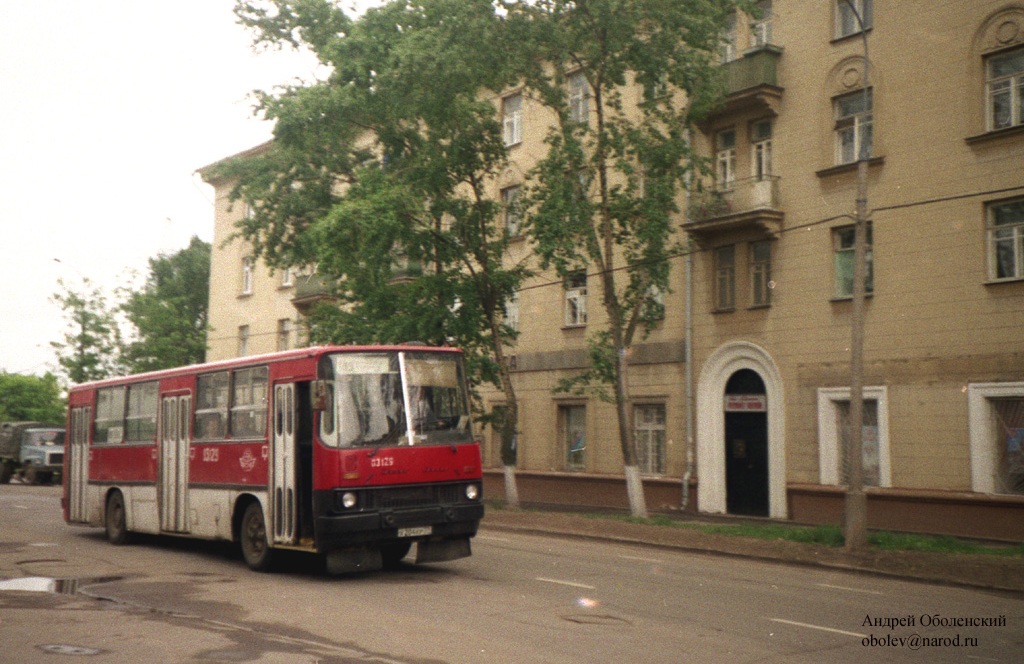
(169, 313)
(30, 398)
(603, 198)
(92, 346)
(379, 174)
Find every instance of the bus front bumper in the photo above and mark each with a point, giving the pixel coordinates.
(412, 524)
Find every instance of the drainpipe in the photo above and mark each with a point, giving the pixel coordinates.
(688, 351)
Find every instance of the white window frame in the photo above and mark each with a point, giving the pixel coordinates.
(853, 128)
(981, 425)
(248, 277)
(725, 159)
(830, 449)
(579, 98)
(512, 312)
(846, 21)
(725, 278)
(1009, 86)
(761, 150)
(243, 340)
(285, 326)
(512, 119)
(287, 277)
(727, 49)
(567, 427)
(1011, 234)
(512, 211)
(650, 447)
(576, 300)
(761, 27)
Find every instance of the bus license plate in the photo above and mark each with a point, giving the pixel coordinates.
(415, 532)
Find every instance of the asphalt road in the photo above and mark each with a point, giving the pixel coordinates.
(65, 594)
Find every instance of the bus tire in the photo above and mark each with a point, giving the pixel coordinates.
(252, 535)
(114, 520)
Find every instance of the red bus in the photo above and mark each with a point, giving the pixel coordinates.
(350, 452)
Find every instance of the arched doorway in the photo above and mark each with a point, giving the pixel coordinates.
(715, 373)
(746, 444)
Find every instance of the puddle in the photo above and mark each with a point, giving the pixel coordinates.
(44, 584)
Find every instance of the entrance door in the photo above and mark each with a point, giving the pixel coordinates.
(78, 465)
(746, 445)
(282, 479)
(174, 442)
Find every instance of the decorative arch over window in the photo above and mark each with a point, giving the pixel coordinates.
(997, 71)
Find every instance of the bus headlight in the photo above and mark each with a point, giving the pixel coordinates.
(472, 491)
(348, 500)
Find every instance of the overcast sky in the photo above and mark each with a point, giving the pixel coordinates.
(109, 107)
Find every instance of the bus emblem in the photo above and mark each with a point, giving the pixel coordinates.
(247, 461)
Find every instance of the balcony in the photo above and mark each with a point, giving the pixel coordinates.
(742, 205)
(310, 289)
(751, 83)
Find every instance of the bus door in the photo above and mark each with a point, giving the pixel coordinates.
(174, 443)
(282, 481)
(78, 464)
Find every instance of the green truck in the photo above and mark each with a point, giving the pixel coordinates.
(32, 451)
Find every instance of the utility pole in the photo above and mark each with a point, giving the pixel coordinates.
(856, 509)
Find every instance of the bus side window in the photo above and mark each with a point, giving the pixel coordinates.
(211, 406)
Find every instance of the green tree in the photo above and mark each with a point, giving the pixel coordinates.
(603, 199)
(169, 313)
(30, 398)
(381, 176)
(91, 348)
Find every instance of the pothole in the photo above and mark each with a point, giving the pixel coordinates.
(65, 649)
(45, 584)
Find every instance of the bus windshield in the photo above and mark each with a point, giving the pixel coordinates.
(371, 395)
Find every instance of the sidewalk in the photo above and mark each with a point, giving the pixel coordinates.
(980, 571)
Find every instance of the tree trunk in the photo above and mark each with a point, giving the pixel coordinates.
(634, 485)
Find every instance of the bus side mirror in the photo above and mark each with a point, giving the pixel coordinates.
(320, 394)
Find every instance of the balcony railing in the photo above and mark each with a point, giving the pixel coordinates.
(753, 201)
(751, 82)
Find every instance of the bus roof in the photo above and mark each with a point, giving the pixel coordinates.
(267, 358)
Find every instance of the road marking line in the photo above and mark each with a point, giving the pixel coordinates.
(818, 627)
(565, 583)
(641, 559)
(852, 590)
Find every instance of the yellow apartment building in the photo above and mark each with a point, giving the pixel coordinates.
(741, 416)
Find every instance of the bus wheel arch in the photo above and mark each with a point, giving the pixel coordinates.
(115, 519)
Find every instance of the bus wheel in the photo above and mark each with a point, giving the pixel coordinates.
(393, 553)
(115, 523)
(256, 550)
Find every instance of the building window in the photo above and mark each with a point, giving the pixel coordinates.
(284, 333)
(512, 119)
(649, 432)
(833, 429)
(725, 278)
(725, 159)
(513, 211)
(249, 403)
(761, 149)
(847, 12)
(579, 98)
(512, 312)
(243, 340)
(247, 276)
(842, 244)
(761, 273)
(212, 406)
(761, 27)
(109, 427)
(728, 50)
(1006, 240)
(140, 421)
(1005, 85)
(573, 424)
(576, 299)
(287, 277)
(854, 133)
(996, 423)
